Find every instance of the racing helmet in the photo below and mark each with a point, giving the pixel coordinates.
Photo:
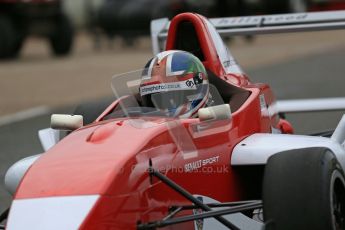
(175, 82)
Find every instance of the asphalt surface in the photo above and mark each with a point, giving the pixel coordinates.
(311, 76)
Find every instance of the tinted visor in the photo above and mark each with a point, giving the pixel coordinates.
(172, 100)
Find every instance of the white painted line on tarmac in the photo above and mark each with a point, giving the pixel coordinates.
(24, 115)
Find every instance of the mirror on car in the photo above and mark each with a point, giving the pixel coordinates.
(218, 112)
(66, 122)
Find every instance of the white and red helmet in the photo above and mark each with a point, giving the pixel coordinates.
(176, 82)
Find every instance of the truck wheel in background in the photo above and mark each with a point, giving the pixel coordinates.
(11, 38)
(62, 38)
(285, 6)
(304, 189)
(17, 43)
(7, 37)
(297, 6)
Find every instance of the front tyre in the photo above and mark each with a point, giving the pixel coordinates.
(304, 189)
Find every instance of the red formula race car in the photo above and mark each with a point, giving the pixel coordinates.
(234, 164)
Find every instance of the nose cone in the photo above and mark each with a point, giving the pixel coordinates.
(50, 213)
(90, 179)
(87, 162)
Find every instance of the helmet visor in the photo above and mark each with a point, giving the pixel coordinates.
(175, 102)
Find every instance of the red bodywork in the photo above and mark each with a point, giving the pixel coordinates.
(111, 157)
(327, 6)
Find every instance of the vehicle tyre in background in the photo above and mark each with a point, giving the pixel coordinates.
(62, 38)
(285, 6)
(304, 189)
(297, 6)
(17, 43)
(7, 37)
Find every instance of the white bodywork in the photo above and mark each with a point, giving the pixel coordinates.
(16, 172)
(51, 213)
(48, 137)
(257, 148)
(339, 132)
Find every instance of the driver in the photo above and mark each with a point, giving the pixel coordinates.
(175, 82)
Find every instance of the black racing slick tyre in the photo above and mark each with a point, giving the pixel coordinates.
(304, 189)
(62, 38)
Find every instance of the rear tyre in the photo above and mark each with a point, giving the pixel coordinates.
(304, 189)
(62, 38)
